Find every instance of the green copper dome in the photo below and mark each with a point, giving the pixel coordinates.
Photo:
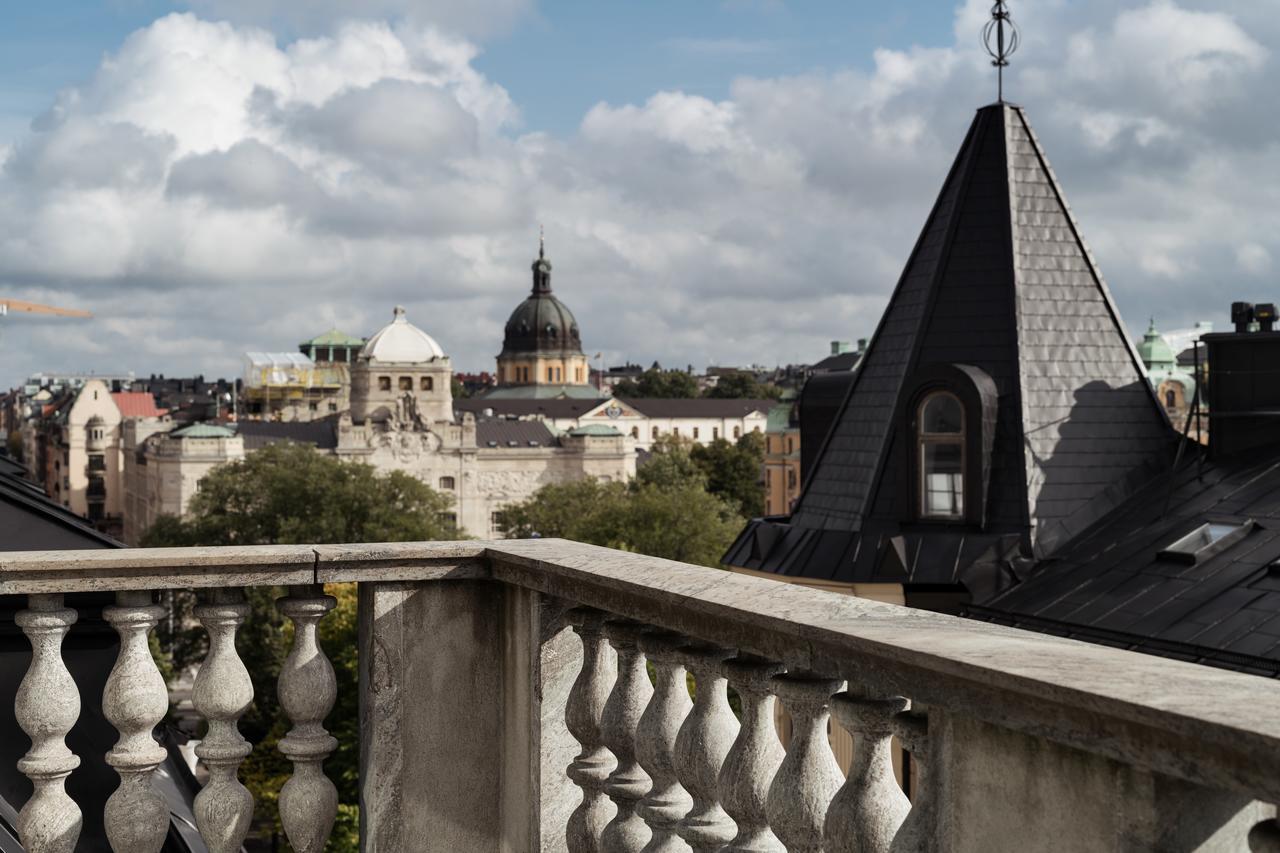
(1154, 350)
(541, 324)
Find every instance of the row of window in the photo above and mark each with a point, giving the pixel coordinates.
(554, 374)
(426, 383)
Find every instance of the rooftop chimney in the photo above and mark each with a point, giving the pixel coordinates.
(840, 347)
(1241, 394)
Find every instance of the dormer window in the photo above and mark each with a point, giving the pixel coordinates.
(941, 446)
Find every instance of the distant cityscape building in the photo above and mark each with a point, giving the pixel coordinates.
(542, 353)
(700, 419)
(289, 386)
(781, 459)
(1175, 387)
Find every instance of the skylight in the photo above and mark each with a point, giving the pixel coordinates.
(1206, 540)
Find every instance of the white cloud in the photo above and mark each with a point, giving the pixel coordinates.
(468, 17)
(212, 190)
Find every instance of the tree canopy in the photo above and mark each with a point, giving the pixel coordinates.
(288, 493)
(734, 471)
(656, 383)
(742, 386)
(667, 511)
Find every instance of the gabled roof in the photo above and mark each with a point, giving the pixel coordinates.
(999, 279)
(136, 404)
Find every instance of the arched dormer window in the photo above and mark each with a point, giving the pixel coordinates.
(940, 439)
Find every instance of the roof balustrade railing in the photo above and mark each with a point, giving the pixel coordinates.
(507, 703)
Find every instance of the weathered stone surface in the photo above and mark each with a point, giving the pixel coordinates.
(918, 833)
(627, 784)
(222, 693)
(135, 701)
(307, 690)
(47, 706)
(667, 801)
(704, 741)
(809, 777)
(869, 808)
(584, 715)
(754, 758)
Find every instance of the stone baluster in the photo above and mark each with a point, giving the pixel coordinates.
(808, 777)
(667, 801)
(222, 693)
(583, 713)
(704, 741)
(47, 706)
(917, 832)
(135, 700)
(628, 783)
(753, 759)
(869, 809)
(307, 689)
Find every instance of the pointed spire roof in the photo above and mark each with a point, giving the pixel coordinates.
(1000, 279)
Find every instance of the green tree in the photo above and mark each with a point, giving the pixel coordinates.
(734, 471)
(743, 386)
(667, 511)
(290, 494)
(656, 383)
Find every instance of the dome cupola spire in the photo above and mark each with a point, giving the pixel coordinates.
(541, 267)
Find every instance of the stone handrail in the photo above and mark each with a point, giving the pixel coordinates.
(985, 711)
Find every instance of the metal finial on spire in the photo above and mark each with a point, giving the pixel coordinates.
(542, 242)
(1005, 43)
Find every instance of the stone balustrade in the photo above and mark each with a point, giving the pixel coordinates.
(535, 695)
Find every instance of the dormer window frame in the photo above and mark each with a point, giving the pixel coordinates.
(978, 397)
(926, 441)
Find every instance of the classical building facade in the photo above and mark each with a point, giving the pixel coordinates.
(401, 418)
(163, 465)
(1175, 387)
(781, 460)
(700, 419)
(542, 353)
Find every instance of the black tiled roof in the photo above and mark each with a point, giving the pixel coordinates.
(31, 521)
(1111, 584)
(258, 434)
(499, 432)
(1000, 279)
(527, 407)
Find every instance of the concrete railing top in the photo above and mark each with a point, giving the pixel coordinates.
(1206, 725)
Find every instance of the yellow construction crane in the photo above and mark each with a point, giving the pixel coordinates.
(17, 306)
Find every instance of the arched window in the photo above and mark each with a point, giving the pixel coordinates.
(940, 436)
(655, 432)
(1170, 399)
(635, 432)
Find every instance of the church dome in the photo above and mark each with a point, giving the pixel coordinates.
(541, 323)
(401, 342)
(1154, 350)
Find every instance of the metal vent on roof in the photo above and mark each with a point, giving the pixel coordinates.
(1206, 540)
(493, 444)
(513, 443)
(533, 443)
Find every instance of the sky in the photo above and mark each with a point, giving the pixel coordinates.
(720, 181)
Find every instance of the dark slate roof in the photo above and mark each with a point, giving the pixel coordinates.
(999, 279)
(258, 434)
(523, 408)
(699, 407)
(1112, 586)
(696, 407)
(840, 361)
(31, 521)
(499, 432)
